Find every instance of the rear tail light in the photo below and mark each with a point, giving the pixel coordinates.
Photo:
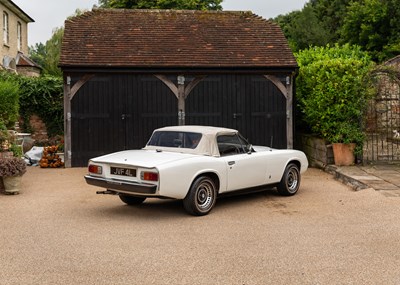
(95, 169)
(149, 176)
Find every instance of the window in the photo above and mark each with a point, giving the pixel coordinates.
(5, 28)
(19, 36)
(175, 139)
(232, 144)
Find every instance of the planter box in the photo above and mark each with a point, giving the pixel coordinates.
(319, 152)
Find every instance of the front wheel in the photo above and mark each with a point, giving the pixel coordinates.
(201, 197)
(131, 200)
(290, 181)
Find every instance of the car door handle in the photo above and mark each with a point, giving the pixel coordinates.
(231, 162)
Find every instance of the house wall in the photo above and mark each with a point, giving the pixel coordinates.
(28, 71)
(11, 49)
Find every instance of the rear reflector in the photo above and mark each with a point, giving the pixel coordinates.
(149, 176)
(95, 169)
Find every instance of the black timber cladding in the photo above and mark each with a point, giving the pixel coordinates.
(115, 112)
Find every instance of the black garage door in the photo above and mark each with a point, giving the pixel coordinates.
(117, 112)
(250, 103)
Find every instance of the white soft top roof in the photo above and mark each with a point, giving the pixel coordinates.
(207, 145)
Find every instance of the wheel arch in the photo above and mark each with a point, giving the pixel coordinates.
(294, 161)
(212, 175)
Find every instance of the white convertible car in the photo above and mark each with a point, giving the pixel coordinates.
(196, 164)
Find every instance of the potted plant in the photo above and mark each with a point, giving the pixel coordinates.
(346, 139)
(11, 171)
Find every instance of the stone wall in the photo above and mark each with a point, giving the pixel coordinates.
(382, 121)
(319, 152)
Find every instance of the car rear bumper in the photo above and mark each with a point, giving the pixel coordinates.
(124, 186)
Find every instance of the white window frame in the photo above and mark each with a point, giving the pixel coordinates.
(19, 36)
(6, 29)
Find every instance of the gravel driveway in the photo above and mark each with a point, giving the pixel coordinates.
(58, 231)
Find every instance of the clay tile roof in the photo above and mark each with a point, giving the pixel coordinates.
(23, 60)
(173, 38)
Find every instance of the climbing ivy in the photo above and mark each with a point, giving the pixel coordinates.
(42, 96)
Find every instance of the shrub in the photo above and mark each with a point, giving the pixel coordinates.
(42, 96)
(330, 91)
(12, 166)
(9, 103)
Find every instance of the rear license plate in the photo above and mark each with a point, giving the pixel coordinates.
(123, 171)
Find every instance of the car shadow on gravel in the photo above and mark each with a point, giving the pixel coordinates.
(151, 208)
(247, 197)
(170, 208)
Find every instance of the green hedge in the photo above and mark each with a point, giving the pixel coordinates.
(331, 93)
(9, 103)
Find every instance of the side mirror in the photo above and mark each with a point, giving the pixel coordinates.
(250, 150)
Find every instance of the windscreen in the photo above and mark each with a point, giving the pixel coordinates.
(175, 139)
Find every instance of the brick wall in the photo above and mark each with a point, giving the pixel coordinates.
(39, 130)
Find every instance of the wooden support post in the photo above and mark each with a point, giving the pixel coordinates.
(67, 121)
(181, 92)
(287, 91)
(181, 100)
(69, 93)
(289, 111)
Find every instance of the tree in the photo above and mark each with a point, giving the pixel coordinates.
(366, 25)
(48, 55)
(38, 53)
(331, 15)
(53, 50)
(163, 4)
(303, 29)
(373, 25)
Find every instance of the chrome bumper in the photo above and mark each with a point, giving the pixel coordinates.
(130, 187)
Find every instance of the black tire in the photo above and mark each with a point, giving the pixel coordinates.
(201, 197)
(290, 181)
(131, 200)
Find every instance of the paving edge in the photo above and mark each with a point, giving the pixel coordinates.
(345, 179)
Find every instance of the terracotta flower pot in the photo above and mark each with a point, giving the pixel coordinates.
(343, 153)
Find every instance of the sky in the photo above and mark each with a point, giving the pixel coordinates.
(51, 14)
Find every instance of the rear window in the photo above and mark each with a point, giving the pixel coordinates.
(175, 139)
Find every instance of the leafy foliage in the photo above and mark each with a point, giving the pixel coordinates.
(163, 4)
(370, 24)
(9, 99)
(44, 96)
(39, 95)
(303, 29)
(331, 93)
(374, 25)
(48, 55)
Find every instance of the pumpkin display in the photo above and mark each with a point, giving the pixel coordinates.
(50, 158)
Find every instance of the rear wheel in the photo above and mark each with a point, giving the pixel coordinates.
(131, 200)
(290, 181)
(201, 197)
